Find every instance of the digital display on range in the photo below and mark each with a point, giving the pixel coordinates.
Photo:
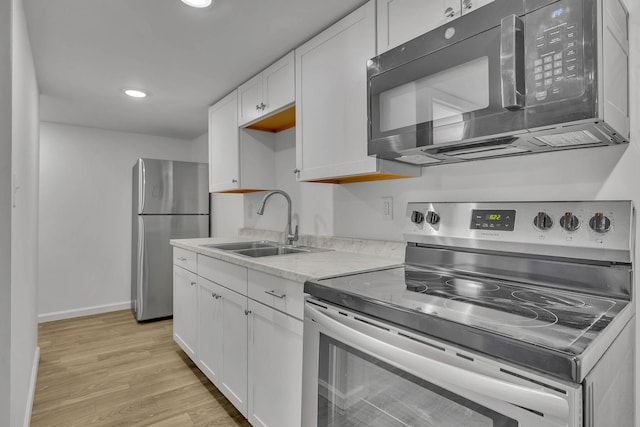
(499, 220)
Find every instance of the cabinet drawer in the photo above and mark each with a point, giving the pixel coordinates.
(185, 259)
(281, 294)
(223, 273)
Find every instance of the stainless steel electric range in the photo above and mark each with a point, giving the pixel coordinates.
(504, 314)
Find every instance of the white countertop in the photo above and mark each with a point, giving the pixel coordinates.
(296, 267)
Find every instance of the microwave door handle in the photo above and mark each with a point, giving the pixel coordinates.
(512, 62)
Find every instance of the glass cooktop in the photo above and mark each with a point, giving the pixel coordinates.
(555, 319)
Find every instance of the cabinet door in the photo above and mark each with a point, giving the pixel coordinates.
(275, 368)
(233, 382)
(331, 98)
(278, 84)
(402, 20)
(469, 6)
(210, 332)
(250, 100)
(224, 156)
(184, 310)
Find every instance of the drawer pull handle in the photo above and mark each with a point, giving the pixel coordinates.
(193, 283)
(216, 296)
(182, 259)
(273, 293)
(247, 312)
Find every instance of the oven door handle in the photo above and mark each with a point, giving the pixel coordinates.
(512, 63)
(441, 373)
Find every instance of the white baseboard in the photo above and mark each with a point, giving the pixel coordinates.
(86, 311)
(32, 387)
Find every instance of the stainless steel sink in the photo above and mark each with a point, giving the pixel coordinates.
(243, 245)
(263, 248)
(279, 250)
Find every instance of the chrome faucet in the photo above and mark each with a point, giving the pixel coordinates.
(291, 237)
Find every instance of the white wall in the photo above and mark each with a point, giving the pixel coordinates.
(85, 215)
(355, 210)
(570, 175)
(24, 222)
(312, 204)
(227, 214)
(200, 148)
(5, 211)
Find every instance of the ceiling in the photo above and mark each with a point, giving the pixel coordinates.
(86, 52)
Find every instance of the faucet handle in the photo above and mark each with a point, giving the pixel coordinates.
(292, 237)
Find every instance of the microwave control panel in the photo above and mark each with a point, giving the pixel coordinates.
(554, 53)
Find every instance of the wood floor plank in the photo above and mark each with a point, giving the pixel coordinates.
(109, 370)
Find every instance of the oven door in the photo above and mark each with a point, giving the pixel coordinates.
(359, 372)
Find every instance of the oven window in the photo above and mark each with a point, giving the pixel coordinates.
(357, 390)
(440, 99)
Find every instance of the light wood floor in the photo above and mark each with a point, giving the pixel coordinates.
(109, 370)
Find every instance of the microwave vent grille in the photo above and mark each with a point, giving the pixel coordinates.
(568, 139)
(492, 152)
(418, 159)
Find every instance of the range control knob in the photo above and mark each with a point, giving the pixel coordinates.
(543, 221)
(600, 223)
(432, 217)
(569, 222)
(417, 217)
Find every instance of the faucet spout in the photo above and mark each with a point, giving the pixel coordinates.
(291, 236)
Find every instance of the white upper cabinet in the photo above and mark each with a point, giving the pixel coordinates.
(331, 103)
(278, 84)
(331, 98)
(224, 147)
(402, 20)
(239, 160)
(471, 5)
(250, 100)
(268, 92)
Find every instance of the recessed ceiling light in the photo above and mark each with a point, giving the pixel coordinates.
(134, 93)
(197, 3)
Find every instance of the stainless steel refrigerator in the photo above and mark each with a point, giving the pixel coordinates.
(170, 201)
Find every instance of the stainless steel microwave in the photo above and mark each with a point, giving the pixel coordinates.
(513, 77)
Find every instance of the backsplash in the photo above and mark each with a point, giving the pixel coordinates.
(377, 248)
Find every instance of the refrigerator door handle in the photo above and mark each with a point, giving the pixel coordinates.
(141, 266)
(142, 187)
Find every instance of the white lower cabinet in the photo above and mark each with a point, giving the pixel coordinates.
(243, 329)
(184, 309)
(234, 349)
(275, 367)
(210, 332)
(222, 340)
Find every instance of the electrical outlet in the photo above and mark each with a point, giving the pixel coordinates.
(387, 208)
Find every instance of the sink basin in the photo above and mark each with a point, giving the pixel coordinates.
(263, 248)
(278, 250)
(243, 245)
